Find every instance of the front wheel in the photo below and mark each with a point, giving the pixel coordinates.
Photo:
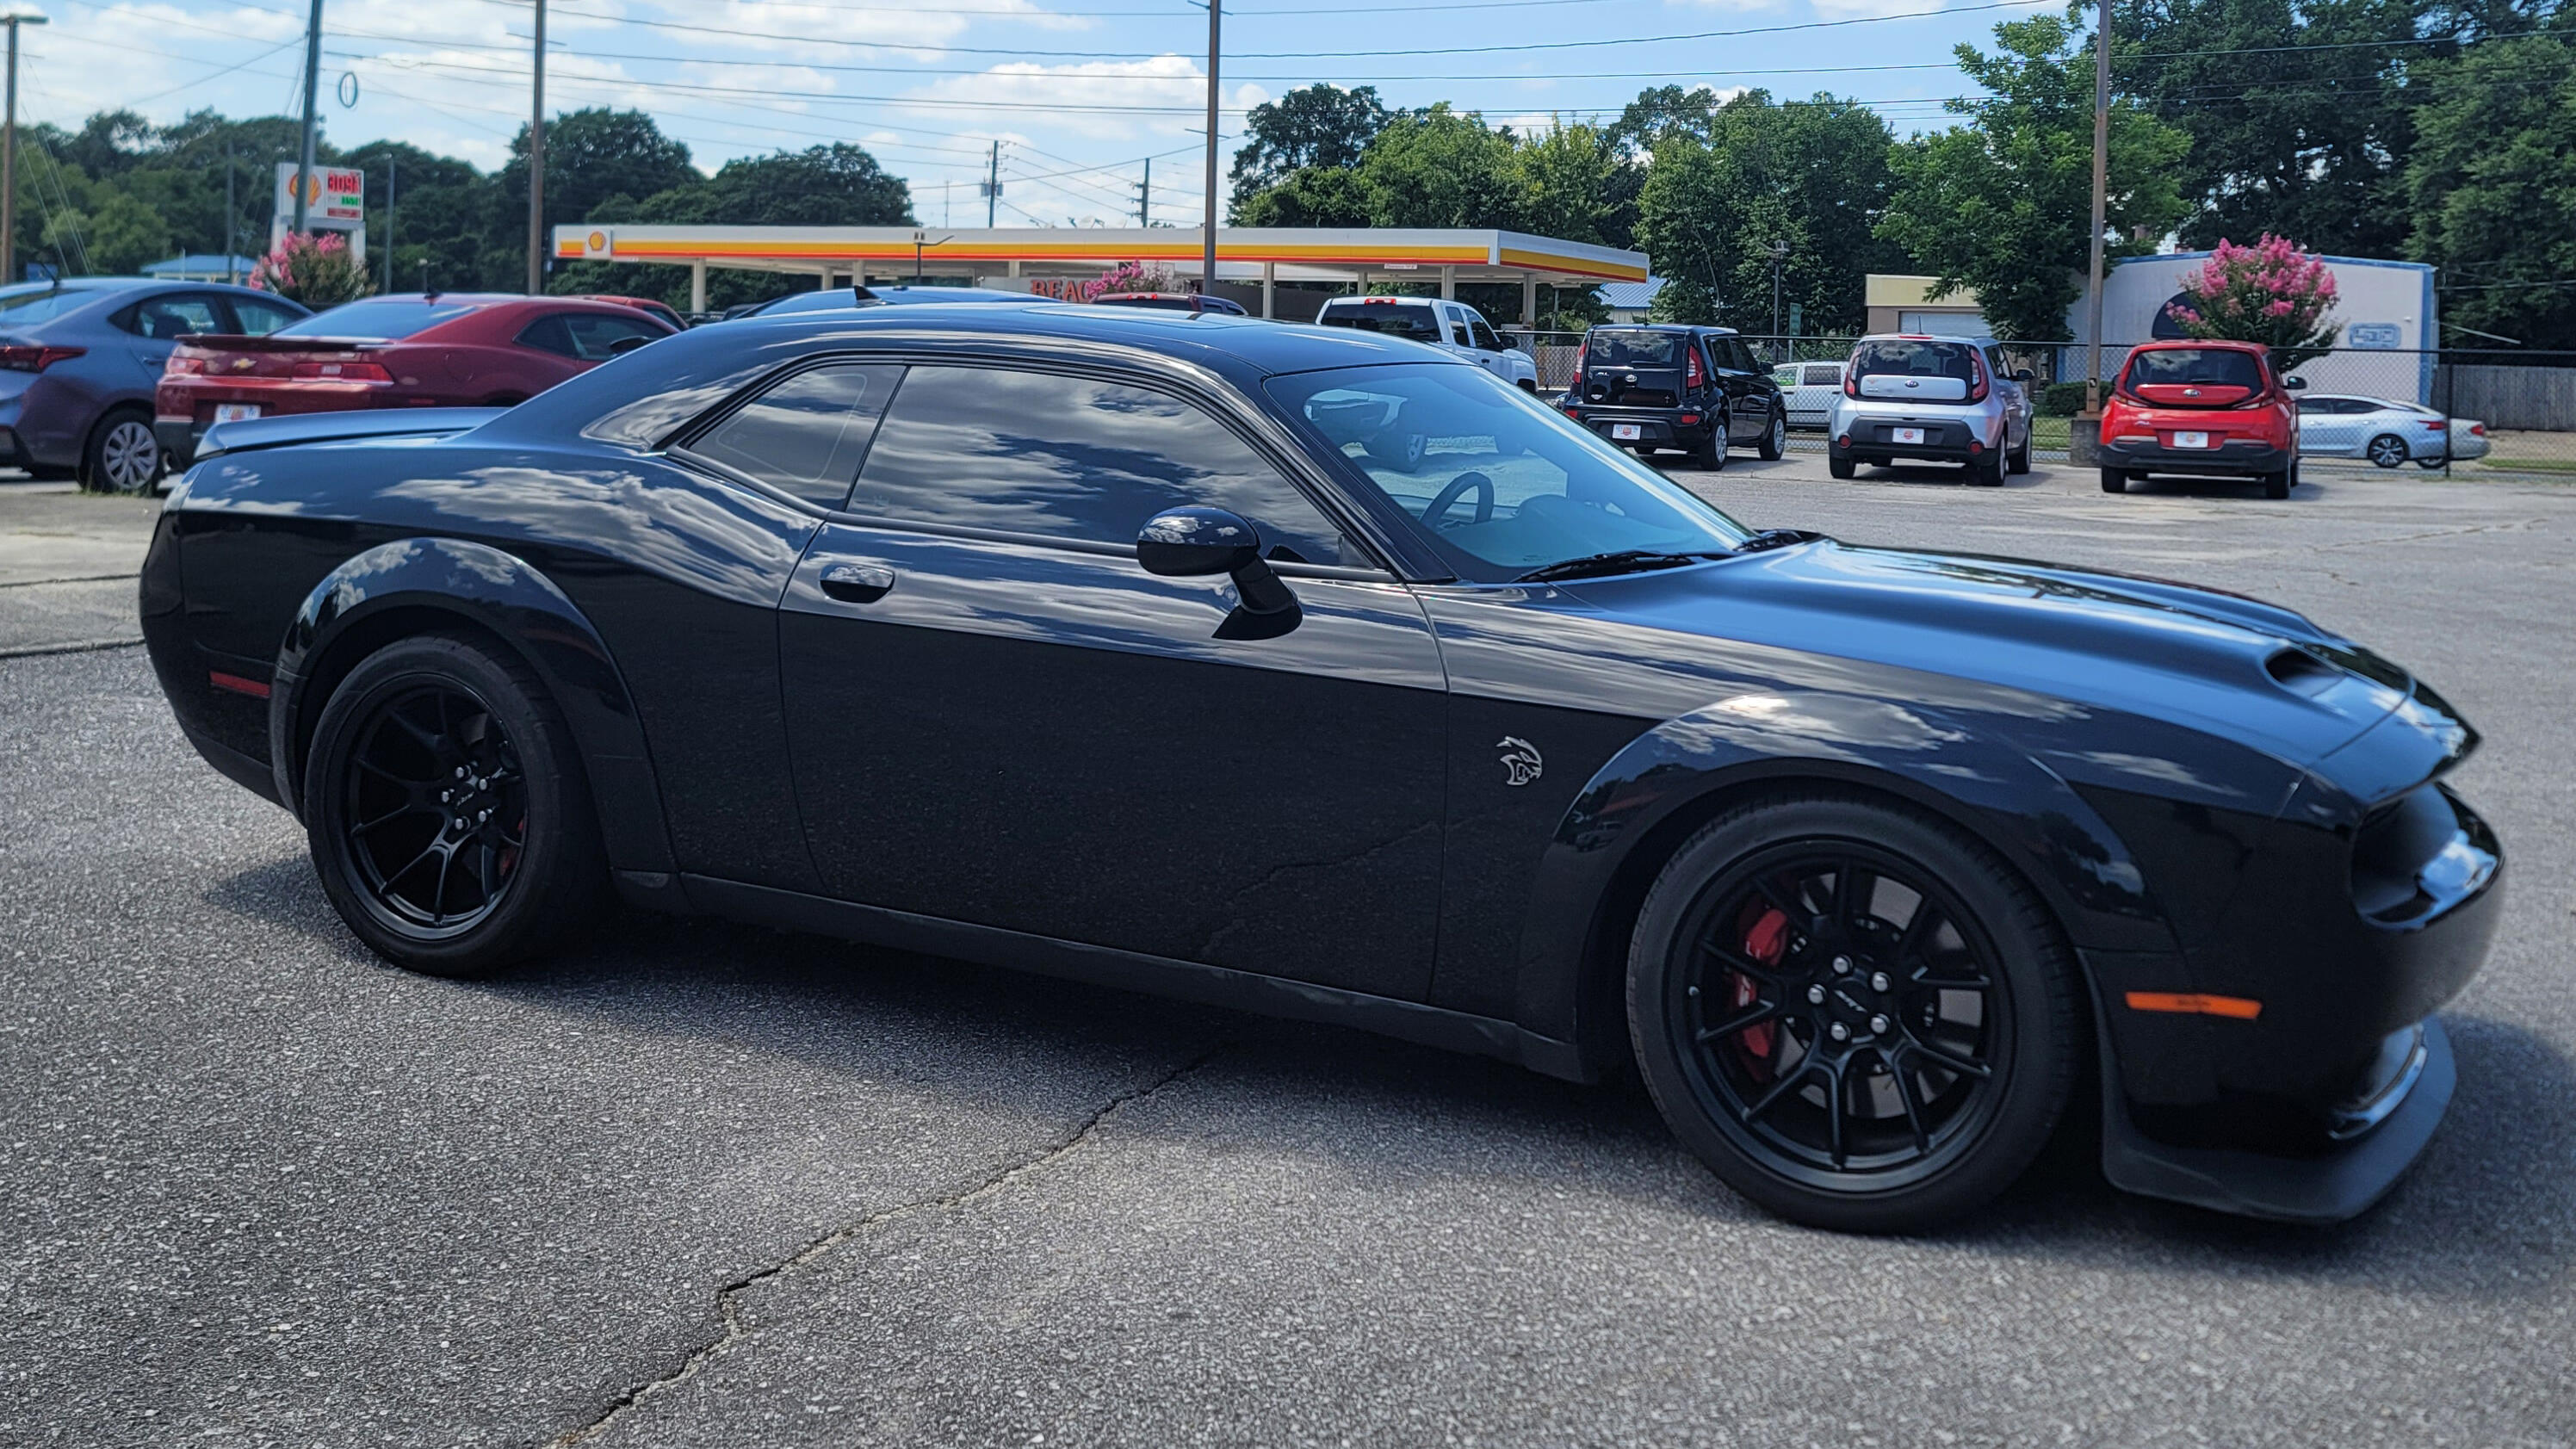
(1775, 439)
(1855, 1015)
(2387, 450)
(446, 809)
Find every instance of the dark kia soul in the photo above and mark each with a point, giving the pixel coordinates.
(1697, 390)
(1309, 671)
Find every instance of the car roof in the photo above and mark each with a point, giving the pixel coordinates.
(1980, 339)
(2175, 344)
(1709, 327)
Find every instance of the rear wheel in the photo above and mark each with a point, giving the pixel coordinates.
(1775, 439)
(123, 454)
(1988, 471)
(1855, 1015)
(1711, 455)
(2387, 450)
(446, 809)
(2276, 486)
(2114, 481)
(2018, 460)
(1840, 466)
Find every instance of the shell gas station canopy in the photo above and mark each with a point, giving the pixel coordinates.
(1015, 256)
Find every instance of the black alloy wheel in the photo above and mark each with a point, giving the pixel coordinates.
(446, 811)
(1711, 455)
(1855, 1016)
(2387, 451)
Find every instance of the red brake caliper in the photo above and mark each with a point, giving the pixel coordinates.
(1766, 941)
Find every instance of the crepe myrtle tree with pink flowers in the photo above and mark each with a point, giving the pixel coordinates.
(2270, 292)
(318, 271)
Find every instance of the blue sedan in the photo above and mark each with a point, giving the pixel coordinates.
(79, 360)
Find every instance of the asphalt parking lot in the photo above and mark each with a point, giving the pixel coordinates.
(699, 1185)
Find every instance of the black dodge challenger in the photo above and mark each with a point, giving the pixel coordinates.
(1310, 672)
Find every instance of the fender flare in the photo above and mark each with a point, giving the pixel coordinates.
(507, 597)
(1647, 799)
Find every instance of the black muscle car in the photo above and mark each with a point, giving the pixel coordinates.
(1311, 672)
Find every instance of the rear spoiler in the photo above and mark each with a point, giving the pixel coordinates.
(251, 434)
(271, 342)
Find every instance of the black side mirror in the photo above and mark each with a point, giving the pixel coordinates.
(1194, 542)
(2294, 384)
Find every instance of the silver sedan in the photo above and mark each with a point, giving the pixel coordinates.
(2388, 433)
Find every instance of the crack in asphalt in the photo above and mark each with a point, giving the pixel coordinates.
(76, 646)
(729, 1298)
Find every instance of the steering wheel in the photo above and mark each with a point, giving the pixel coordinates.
(1457, 489)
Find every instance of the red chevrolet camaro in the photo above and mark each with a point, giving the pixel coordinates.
(418, 350)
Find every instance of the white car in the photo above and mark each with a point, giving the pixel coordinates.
(1809, 390)
(1453, 327)
(2333, 425)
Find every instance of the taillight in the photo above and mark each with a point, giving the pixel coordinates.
(32, 358)
(2437, 425)
(1696, 376)
(1977, 387)
(179, 366)
(1851, 384)
(344, 371)
(2477, 430)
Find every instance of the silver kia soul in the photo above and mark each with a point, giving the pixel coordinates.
(1941, 399)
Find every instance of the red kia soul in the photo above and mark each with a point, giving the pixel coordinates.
(2209, 409)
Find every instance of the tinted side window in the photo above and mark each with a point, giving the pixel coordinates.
(1741, 355)
(548, 334)
(1072, 458)
(162, 318)
(1484, 335)
(258, 319)
(806, 434)
(595, 334)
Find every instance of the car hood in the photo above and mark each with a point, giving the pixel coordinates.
(2253, 672)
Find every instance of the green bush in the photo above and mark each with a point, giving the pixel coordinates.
(2061, 399)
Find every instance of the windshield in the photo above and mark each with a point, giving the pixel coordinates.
(1413, 320)
(382, 319)
(2195, 366)
(1901, 357)
(1632, 347)
(1501, 482)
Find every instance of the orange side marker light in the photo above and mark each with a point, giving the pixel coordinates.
(2194, 1003)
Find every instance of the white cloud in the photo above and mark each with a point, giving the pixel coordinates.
(1165, 81)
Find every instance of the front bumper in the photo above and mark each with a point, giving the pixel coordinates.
(2233, 458)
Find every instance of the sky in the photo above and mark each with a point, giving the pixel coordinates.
(1079, 92)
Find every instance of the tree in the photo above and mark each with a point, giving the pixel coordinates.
(2001, 205)
(2271, 292)
(1812, 174)
(2298, 125)
(1317, 125)
(1569, 184)
(1441, 168)
(1310, 196)
(591, 155)
(2492, 191)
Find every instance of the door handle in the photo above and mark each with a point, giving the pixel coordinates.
(857, 583)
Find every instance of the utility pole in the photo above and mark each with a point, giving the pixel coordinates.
(993, 185)
(312, 80)
(536, 165)
(232, 228)
(1145, 196)
(393, 169)
(1207, 241)
(9, 157)
(1779, 254)
(2101, 191)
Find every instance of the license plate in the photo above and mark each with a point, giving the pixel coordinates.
(235, 412)
(2191, 440)
(1627, 432)
(1909, 435)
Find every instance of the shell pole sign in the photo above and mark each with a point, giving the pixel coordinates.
(335, 198)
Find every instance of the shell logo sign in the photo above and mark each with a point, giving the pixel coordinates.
(334, 196)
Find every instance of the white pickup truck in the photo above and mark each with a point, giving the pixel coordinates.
(1453, 327)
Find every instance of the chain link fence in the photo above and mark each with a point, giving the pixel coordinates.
(2459, 412)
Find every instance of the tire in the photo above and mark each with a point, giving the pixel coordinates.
(1775, 439)
(1711, 455)
(123, 454)
(2018, 460)
(379, 783)
(2276, 486)
(1527, 385)
(2387, 450)
(2114, 481)
(1919, 1143)
(1840, 467)
(1988, 471)
(2429, 465)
